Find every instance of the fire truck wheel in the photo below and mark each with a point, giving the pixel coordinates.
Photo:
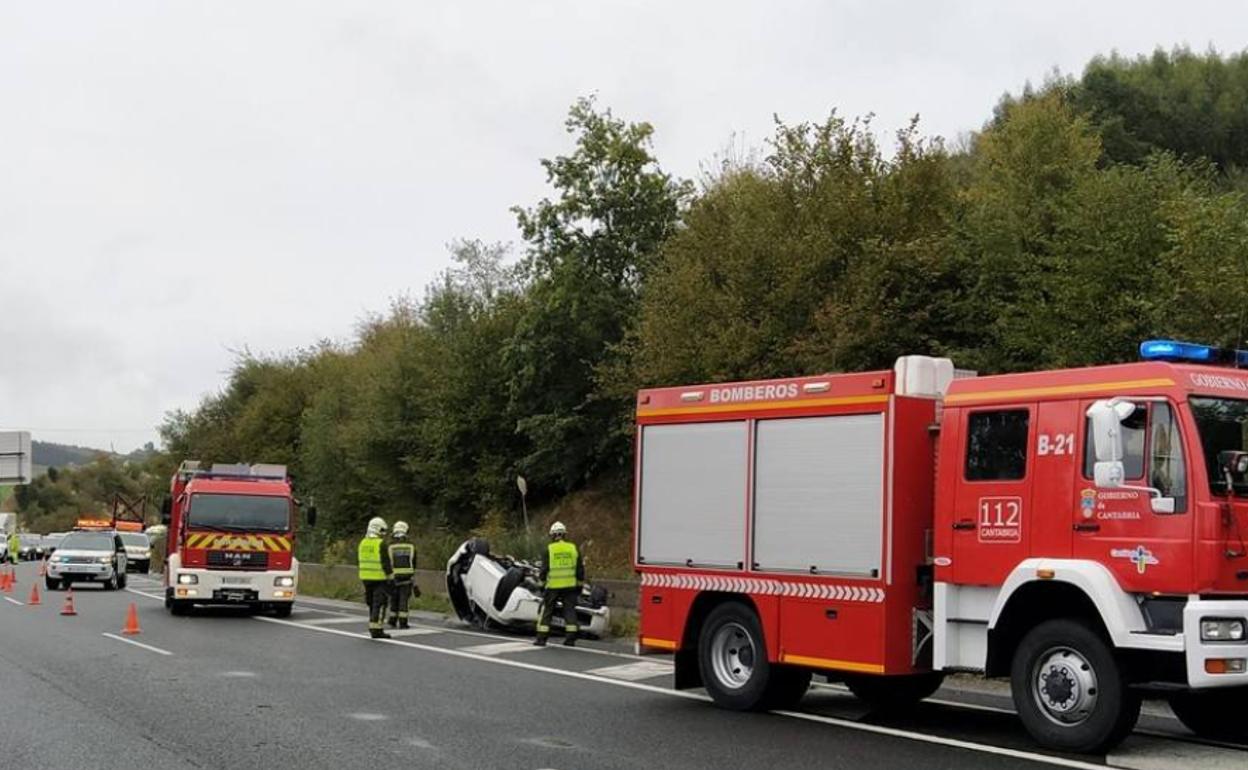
(787, 687)
(1069, 690)
(893, 693)
(179, 608)
(733, 658)
(283, 610)
(1212, 714)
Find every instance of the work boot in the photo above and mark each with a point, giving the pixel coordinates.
(393, 622)
(539, 641)
(377, 633)
(569, 641)
(403, 624)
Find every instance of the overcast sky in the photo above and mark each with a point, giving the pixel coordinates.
(183, 179)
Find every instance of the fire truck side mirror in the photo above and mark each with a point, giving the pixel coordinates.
(166, 510)
(1107, 417)
(1234, 463)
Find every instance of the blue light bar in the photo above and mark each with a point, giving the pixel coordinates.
(1190, 352)
(1173, 350)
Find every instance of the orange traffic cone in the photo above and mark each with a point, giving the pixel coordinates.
(68, 609)
(5, 586)
(132, 621)
(33, 601)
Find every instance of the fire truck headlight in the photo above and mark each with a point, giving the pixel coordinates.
(1221, 630)
(284, 581)
(188, 580)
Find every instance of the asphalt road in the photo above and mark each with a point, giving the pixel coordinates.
(223, 689)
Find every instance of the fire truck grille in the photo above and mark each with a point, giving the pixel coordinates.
(246, 560)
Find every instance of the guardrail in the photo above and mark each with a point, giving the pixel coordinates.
(622, 593)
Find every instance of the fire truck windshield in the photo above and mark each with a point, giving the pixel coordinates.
(1223, 424)
(241, 513)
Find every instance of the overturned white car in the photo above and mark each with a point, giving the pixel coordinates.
(502, 590)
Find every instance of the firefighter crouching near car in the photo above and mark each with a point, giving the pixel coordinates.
(403, 562)
(374, 560)
(562, 572)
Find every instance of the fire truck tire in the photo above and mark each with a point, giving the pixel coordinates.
(893, 693)
(283, 610)
(733, 658)
(1069, 690)
(179, 608)
(787, 687)
(1215, 714)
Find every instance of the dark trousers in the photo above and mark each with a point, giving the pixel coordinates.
(565, 596)
(399, 599)
(376, 596)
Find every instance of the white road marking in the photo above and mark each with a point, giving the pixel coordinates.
(688, 695)
(633, 672)
(1152, 754)
(500, 648)
(238, 674)
(332, 621)
(137, 644)
(365, 716)
(399, 632)
(144, 593)
(11, 600)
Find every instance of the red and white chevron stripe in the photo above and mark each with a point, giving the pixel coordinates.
(765, 586)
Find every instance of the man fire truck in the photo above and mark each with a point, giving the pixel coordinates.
(231, 537)
(1083, 532)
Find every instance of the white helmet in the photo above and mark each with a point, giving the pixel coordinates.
(558, 529)
(400, 529)
(376, 527)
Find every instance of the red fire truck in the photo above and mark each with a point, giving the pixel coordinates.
(1083, 532)
(231, 537)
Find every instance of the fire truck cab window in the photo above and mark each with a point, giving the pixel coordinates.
(996, 445)
(1154, 452)
(1167, 470)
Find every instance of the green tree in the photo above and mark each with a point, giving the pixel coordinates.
(590, 251)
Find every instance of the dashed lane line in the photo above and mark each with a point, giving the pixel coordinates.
(11, 600)
(1019, 754)
(634, 672)
(137, 644)
(500, 648)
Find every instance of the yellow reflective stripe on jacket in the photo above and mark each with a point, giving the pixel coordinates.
(403, 558)
(562, 557)
(369, 558)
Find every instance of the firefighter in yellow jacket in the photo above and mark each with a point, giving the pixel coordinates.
(375, 573)
(562, 572)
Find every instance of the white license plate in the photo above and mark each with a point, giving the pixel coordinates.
(236, 581)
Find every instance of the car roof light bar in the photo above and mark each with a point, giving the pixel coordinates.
(1191, 353)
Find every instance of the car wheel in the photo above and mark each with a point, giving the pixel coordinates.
(1217, 714)
(121, 582)
(111, 585)
(893, 693)
(733, 658)
(1070, 693)
(51, 584)
(479, 546)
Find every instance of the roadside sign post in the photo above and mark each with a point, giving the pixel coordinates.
(15, 457)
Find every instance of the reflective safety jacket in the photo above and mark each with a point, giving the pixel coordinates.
(563, 568)
(374, 560)
(403, 560)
